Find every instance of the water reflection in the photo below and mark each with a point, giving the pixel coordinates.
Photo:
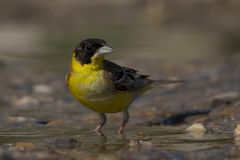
(153, 138)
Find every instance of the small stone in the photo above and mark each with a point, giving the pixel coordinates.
(196, 128)
(26, 101)
(20, 119)
(141, 144)
(17, 119)
(237, 130)
(25, 146)
(42, 89)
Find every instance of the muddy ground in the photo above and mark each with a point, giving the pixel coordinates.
(39, 119)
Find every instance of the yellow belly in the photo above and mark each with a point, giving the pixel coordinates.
(96, 93)
(116, 103)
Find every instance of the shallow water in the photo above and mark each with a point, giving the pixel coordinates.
(144, 138)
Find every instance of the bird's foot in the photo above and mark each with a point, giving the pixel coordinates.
(98, 130)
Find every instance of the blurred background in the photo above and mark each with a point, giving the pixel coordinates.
(35, 32)
(194, 40)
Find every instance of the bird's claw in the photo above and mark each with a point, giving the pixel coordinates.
(98, 130)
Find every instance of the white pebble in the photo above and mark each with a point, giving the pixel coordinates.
(42, 88)
(237, 130)
(196, 128)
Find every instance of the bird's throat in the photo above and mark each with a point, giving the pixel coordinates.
(96, 64)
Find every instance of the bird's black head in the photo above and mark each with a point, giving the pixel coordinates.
(89, 49)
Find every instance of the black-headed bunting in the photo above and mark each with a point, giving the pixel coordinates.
(103, 86)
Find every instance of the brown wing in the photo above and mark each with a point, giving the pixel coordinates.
(125, 79)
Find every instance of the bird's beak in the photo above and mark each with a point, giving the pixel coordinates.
(104, 50)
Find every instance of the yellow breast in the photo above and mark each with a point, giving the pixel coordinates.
(90, 87)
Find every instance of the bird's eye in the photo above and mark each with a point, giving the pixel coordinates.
(88, 47)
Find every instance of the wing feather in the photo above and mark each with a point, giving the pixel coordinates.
(125, 79)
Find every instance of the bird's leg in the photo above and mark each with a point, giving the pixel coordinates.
(124, 122)
(102, 121)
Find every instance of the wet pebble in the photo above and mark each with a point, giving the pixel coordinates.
(141, 144)
(237, 130)
(196, 128)
(42, 89)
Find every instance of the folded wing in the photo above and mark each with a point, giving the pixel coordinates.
(125, 79)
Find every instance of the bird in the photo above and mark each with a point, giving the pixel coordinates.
(104, 86)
